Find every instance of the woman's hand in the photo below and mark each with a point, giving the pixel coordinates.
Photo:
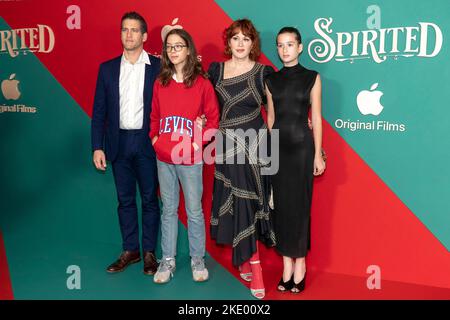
(319, 165)
(201, 121)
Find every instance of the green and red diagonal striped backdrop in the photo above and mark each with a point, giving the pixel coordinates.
(382, 201)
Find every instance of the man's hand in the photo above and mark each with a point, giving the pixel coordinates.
(99, 160)
(154, 140)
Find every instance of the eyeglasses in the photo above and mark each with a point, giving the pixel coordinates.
(177, 47)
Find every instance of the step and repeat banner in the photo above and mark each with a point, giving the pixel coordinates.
(382, 206)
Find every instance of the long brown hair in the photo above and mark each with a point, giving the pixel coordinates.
(191, 70)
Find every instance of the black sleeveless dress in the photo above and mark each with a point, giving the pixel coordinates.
(240, 210)
(292, 185)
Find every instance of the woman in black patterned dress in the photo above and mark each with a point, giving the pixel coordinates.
(241, 213)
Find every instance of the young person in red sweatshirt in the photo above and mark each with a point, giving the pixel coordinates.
(180, 95)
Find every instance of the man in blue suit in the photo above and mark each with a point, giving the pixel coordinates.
(120, 134)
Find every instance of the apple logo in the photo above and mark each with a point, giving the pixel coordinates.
(369, 101)
(165, 30)
(10, 88)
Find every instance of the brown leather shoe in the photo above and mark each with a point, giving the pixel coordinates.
(125, 259)
(150, 263)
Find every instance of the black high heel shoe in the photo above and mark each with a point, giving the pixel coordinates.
(286, 286)
(298, 287)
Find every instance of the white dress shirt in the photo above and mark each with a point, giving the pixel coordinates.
(131, 90)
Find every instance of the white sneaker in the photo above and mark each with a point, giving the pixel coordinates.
(199, 271)
(165, 270)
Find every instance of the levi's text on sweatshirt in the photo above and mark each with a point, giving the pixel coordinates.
(174, 110)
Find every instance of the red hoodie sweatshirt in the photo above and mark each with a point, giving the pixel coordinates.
(174, 110)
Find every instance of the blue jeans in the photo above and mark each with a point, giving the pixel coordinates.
(191, 179)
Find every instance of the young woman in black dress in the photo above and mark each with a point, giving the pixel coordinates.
(292, 93)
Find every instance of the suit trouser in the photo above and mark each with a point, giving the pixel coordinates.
(132, 167)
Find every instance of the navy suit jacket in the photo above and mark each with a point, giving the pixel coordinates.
(106, 111)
